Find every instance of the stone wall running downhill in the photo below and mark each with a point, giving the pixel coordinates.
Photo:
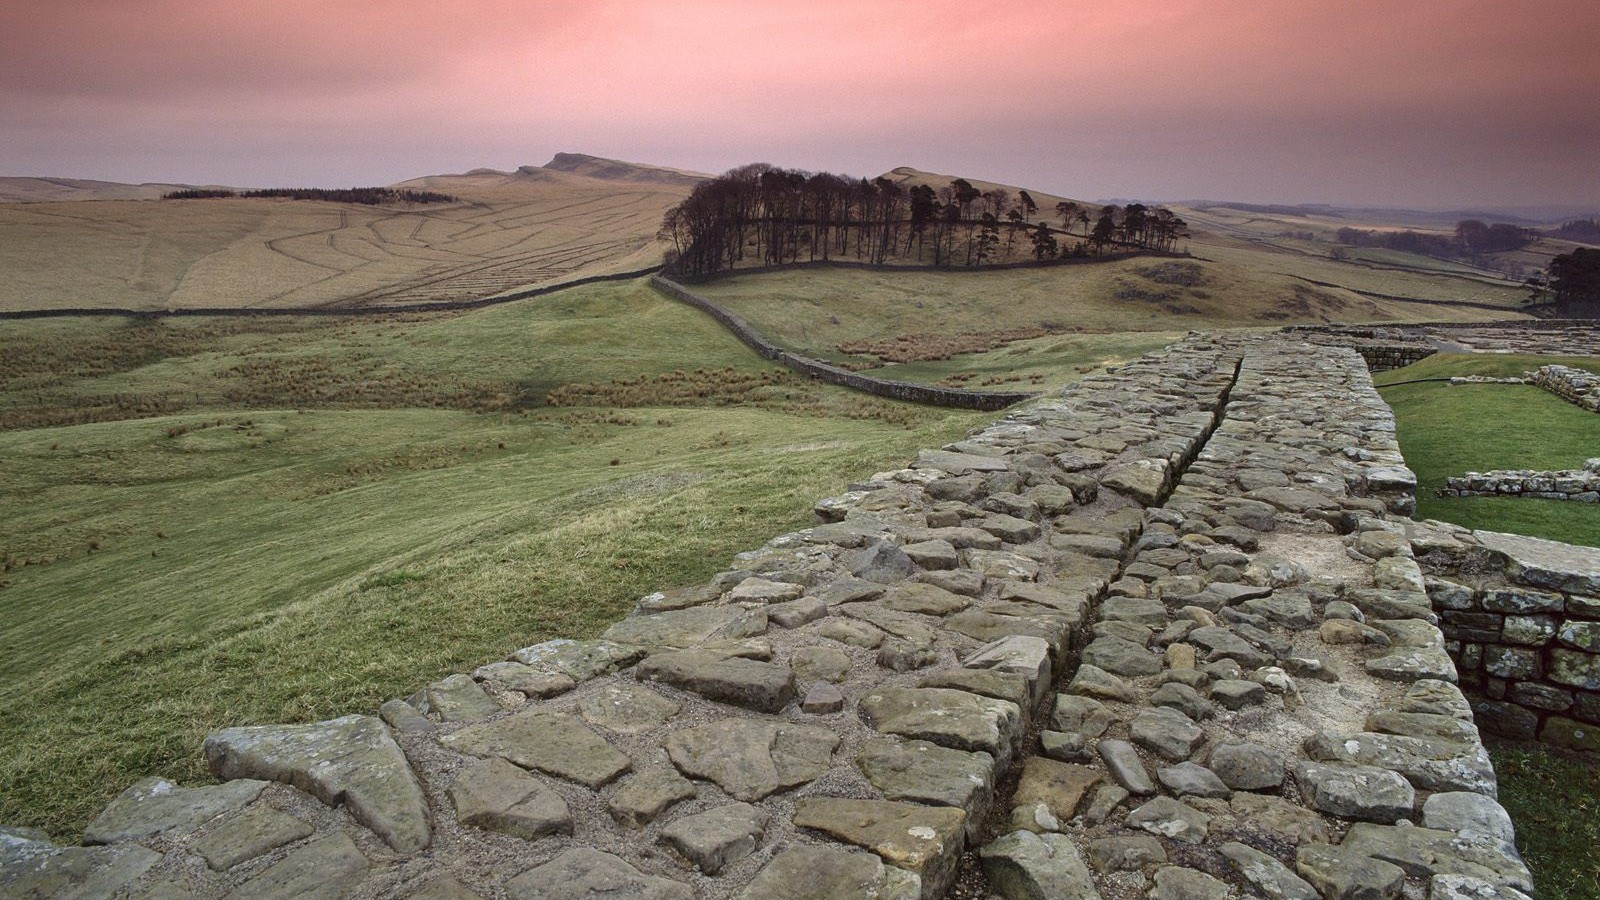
(957, 398)
(1164, 634)
(1582, 485)
(1575, 386)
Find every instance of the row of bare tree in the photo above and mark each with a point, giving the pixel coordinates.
(763, 215)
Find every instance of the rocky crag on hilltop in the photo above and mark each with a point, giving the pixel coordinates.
(1170, 633)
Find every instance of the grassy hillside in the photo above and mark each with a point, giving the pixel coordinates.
(291, 546)
(507, 232)
(1449, 430)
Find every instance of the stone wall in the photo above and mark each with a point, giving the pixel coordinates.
(897, 390)
(1582, 485)
(1570, 384)
(1163, 634)
(1521, 617)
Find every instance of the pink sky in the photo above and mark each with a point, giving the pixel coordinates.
(1419, 102)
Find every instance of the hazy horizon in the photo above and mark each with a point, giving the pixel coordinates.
(1438, 104)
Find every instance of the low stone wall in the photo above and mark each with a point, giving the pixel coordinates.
(1162, 634)
(1572, 385)
(1582, 485)
(1521, 617)
(896, 390)
(1382, 348)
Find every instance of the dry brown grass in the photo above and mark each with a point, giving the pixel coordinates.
(508, 232)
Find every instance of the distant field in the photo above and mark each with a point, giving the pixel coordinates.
(1449, 430)
(508, 232)
(326, 522)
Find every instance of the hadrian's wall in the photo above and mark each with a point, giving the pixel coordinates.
(1166, 634)
(1575, 386)
(1581, 485)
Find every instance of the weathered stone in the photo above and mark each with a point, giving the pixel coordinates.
(795, 613)
(830, 873)
(945, 717)
(1287, 610)
(1189, 779)
(678, 598)
(855, 634)
(585, 874)
(1082, 715)
(924, 599)
(1103, 546)
(1121, 657)
(1060, 786)
(1171, 818)
(495, 795)
(934, 554)
(404, 718)
(822, 699)
(1465, 887)
(906, 656)
(1126, 767)
(1425, 852)
(1027, 866)
(761, 686)
(1020, 654)
(1093, 681)
(1183, 698)
(248, 836)
(1179, 883)
(1467, 811)
(626, 708)
(325, 869)
(1428, 763)
(31, 867)
(456, 698)
(1010, 529)
(922, 772)
(958, 463)
(1142, 479)
(984, 682)
(1001, 564)
(923, 840)
(1339, 874)
(1413, 664)
(1279, 819)
(529, 681)
(1234, 693)
(647, 795)
(1350, 631)
(1167, 732)
(751, 759)
(350, 761)
(1126, 852)
(881, 563)
(1575, 668)
(680, 629)
(1565, 732)
(849, 590)
(717, 837)
(1270, 877)
(583, 660)
(1220, 643)
(156, 806)
(444, 887)
(760, 590)
(1248, 767)
(820, 663)
(1367, 793)
(554, 743)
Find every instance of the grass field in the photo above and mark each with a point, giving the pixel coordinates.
(508, 232)
(330, 544)
(1449, 430)
(1554, 799)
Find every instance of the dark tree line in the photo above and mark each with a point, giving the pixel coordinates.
(1585, 231)
(764, 215)
(1472, 239)
(369, 196)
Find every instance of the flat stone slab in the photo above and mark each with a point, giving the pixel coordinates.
(752, 684)
(585, 874)
(830, 873)
(495, 795)
(326, 869)
(32, 868)
(155, 805)
(717, 837)
(1059, 786)
(1430, 764)
(578, 660)
(248, 836)
(1547, 564)
(958, 463)
(647, 795)
(456, 698)
(1270, 877)
(1366, 793)
(949, 718)
(751, 759)
(1171, 818)
(1425, 852)
(554, 743)
(1027, 866)
(626, 708)
(923, 772)
(684, 628)
(350, 761)
(923, 840)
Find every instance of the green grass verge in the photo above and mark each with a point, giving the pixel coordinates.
(1554, 799)
(344, 510)
(1449, 430)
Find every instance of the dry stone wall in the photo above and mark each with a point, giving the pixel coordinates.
(1572, 385)
(1582, 485)
(1165, 634)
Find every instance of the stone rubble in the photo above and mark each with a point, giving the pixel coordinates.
(1107, 646)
